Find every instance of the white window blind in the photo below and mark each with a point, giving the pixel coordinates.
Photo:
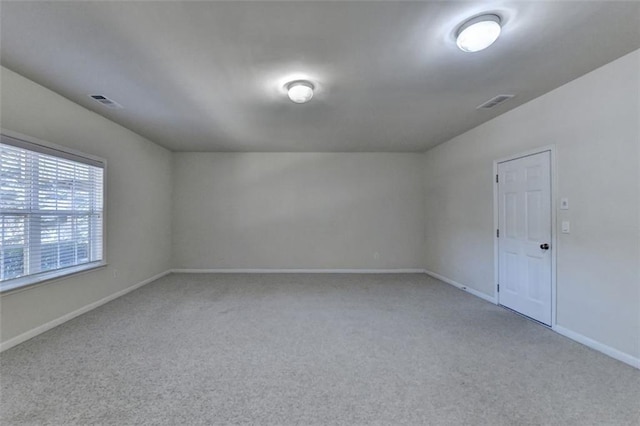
(51, 211)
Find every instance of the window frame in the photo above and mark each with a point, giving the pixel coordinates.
(49, 148)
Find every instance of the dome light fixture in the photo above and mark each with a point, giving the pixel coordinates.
(478, 33)
(300, 91)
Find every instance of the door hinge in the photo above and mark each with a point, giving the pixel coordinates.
(498, 288)
(497, 233)
(496, 178)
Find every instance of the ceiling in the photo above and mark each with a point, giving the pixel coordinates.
(209, 76)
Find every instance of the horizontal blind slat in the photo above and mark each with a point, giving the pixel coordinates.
(50, 209)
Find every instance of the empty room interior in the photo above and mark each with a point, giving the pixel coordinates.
(320, 212)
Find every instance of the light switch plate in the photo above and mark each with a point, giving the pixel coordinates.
(566, 227)
(564, 204)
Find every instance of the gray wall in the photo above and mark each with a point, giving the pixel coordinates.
(594, 123)
(138, 202)
(372, 211)
(298, 210)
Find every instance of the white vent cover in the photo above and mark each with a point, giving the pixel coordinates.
(494, 101)
(105, 101)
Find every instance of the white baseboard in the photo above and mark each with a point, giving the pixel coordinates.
(600, 347)
(462, 287)
(593, 344)
(56, 322)
(298, 271)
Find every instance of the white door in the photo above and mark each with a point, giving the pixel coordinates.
(524, 235)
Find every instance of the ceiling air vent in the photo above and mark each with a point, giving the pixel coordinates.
(106, 101)
(494, 101)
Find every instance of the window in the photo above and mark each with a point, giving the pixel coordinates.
(51, 212)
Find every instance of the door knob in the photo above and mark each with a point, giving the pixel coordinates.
(544, 246)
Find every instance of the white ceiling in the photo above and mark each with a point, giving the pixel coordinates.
(209, 76)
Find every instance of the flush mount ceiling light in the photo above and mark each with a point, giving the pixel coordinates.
(478, 33)
(300, 91)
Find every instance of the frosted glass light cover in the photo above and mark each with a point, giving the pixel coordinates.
(476, 36)
(300, 91)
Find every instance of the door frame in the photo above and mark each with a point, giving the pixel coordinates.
(554, 243)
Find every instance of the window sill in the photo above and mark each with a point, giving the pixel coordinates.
(18, 284)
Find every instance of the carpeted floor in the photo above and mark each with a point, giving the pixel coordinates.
(293, 349)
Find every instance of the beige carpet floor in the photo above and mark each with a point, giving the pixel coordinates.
(295, 349)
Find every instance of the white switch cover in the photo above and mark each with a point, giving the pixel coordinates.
(564, 204)
(566, 227)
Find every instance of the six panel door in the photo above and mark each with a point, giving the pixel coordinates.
(524, 242)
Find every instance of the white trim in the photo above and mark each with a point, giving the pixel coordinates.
(463, 287)
(554, 233)
(577, 337)
(600, 347)
(496, 224)
(27, 282)
(54, 146)
(56, 322)
(63, 149)
(297, 271)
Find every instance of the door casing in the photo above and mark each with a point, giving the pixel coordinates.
(554, 245)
